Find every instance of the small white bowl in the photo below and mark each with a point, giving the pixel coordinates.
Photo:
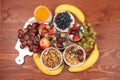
(66, 30)
(74, 65)
(41, 59)
(82, 34)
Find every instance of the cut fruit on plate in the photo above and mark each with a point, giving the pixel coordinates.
(73, 9)
(36, 58)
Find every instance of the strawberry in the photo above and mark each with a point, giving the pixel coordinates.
(76, 37)
(70, 30)
(43, 26)
(75, 27)
(42, 34)
(51, 31)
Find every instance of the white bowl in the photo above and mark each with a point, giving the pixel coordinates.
(74, 65)
(71, 36)
(41, 59)
(66, 30)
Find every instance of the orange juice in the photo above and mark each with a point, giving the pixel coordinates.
(42, 13)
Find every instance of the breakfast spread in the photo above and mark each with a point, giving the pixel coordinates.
(52, 40)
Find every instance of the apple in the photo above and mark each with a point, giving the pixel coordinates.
(44, 43)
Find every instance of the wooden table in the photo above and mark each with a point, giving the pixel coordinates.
(104, 16)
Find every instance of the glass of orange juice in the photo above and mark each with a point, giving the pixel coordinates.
(42, 14)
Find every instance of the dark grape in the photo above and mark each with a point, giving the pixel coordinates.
(29, 42)
(20, 35)
(20, 31)
(22, 46)
(24, 43)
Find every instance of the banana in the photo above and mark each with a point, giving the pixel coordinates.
(43, 69)
(88, 63)
(73, 9)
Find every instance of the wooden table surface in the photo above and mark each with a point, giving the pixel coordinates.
(104, 16)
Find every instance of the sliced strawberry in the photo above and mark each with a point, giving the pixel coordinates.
(75, 27)
(76, 37)
(42, 34)
(51, 31)
(43, 26)
(70, 31)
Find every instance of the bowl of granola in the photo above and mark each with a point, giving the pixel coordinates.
(51, 58)
(74, 55)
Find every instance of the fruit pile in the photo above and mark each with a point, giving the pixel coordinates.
(39, 36)
(29, 37)
(60, 41)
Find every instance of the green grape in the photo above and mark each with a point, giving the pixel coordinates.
(89, 24)
(95, 33)
(85, 27)
(79, 43)
(84, 24)
(89, 37)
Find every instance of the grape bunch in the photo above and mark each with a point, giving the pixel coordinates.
(29, 37)
(89, 37)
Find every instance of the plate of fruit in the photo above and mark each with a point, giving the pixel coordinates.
(55, 39)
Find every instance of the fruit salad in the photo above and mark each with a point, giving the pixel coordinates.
(51, 58)
(47, 31)
(76, 32)
(62, 21)
(74, 55)
(60, 40)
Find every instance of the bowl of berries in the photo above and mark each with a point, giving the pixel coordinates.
(63, 20)
(74, 55)
(76, 32)
(47, 31)
(60, 40)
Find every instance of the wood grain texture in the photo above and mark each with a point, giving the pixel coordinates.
(105, 18)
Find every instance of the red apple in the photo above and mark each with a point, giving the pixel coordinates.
(44, 43)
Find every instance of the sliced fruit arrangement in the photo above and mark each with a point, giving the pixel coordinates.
(73, 9)
(36, 58)
(60, 41)
(47, 31)
(89, 37)
(88, 63)
(76, 32)
(63, 20)
(29, 37)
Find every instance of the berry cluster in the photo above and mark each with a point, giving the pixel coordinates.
(63, 20)
(29, 37)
